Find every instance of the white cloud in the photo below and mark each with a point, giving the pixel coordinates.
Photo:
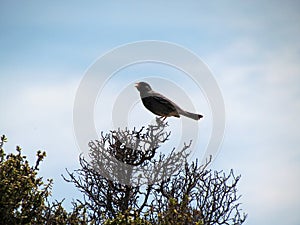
(38, 116)
(30, 103)
(262, 138)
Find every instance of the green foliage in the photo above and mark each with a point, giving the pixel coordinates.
(23, 195)
(56, 214)
(180, 213)
(127, 218)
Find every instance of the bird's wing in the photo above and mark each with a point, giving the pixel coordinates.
(165, 103)
(165, 99)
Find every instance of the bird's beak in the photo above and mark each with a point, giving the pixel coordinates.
(137, 84)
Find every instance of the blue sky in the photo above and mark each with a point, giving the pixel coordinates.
(252, 48)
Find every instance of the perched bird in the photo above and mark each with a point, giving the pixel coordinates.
(160, 105)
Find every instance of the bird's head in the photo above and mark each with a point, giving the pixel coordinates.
(143, 87)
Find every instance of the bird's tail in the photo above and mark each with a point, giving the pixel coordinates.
(191, 115)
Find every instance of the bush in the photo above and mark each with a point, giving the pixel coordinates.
(24, 195)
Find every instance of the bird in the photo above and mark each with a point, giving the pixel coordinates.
(161, 105)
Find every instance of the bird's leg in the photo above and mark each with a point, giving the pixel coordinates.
(163, 118)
